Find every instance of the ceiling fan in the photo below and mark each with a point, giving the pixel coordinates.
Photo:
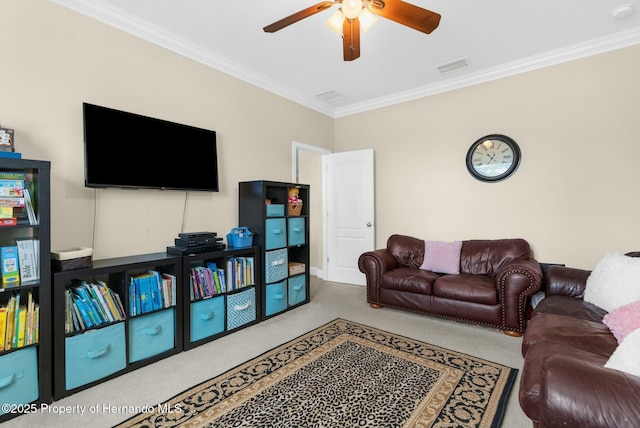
(353, 13)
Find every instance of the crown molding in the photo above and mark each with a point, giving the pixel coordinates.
(115, 17)
(593, 47)
(105, 13)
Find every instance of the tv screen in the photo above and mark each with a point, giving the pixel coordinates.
(127, 150)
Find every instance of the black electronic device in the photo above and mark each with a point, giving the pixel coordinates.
(197, 235)
(127, 150)
(180, 251)
(196, 242)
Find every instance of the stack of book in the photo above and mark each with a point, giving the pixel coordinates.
(151, 291)
(242, 272)
(20, 262)
(19, 323)
(91, 304)
(207, 281)
(16, 203)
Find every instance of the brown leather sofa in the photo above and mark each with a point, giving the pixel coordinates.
(492, 289)
(564, 382)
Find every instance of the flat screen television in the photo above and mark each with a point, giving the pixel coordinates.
(127, 150)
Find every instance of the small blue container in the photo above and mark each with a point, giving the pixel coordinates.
(240, 237)
(275, 210)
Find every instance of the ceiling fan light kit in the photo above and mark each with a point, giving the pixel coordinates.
(354, 15)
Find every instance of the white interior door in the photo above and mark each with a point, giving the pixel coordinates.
(350, 213)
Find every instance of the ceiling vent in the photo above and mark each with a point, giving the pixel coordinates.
(453, 65)
(330, 96)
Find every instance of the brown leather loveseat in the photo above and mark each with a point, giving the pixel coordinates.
(495, 280)
(564, 381)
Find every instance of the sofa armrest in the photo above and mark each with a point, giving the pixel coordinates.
(373, 264)
(566, 281)
(519, 277)
(578, 393)
(379, 260)
(516, 281)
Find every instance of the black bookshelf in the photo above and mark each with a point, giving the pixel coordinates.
(112, 347)
(210, 317)
(282, 238)
(28, 368)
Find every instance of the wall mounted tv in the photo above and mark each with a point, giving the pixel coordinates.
(127, 150)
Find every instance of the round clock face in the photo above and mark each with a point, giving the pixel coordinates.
(493, 158)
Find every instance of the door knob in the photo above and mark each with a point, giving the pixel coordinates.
(369, 224)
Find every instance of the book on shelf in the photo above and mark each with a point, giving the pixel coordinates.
(6, 212)
(90, 304)
(241, 272)
(10, 327)
(27, 259)
(10, 264)
(3, 327)
(134, 302)
(14, 192)
(5, 181)
(11, 201)
(85, 308)
(146, 293)
(206, 281)
(13, 175)
(21, 327)
(111, 300)
(8, 222)
(168, 289)
(157, 293)
(146, 299)
(216, 274)
(16, 206)
(19, 323)
(29, 207)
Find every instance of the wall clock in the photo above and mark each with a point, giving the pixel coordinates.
(493, 158)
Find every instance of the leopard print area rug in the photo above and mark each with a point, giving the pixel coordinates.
(345, 374)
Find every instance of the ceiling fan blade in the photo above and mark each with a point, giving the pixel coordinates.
(351, 39)
(406, 14)
(298, 16)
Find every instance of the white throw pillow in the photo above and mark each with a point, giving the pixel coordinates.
(614, 282)
(625, 357)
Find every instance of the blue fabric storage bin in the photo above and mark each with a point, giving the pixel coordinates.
(276, 298)
(151, 334)
(295, 231)
(94, 355)
(276, 265)
(207, 318)
(297, 289)
(241, 308)
(275, 210)
(19, 377)
(275, 233)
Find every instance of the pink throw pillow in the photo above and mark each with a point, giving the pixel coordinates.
(623, 320)
(442, 257)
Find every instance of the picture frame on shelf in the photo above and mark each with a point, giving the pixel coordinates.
(6, 140)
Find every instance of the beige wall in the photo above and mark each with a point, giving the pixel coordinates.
(577, 124)
(574, 196)
(310, 172)
(54, 59)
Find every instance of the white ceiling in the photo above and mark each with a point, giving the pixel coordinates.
(497, 38)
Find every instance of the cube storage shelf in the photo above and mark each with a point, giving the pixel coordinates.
(62, 363)
(283, 242)
(25, 369)
(212, 316)
(87, 357)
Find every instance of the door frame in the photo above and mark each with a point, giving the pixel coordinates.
(296, 148)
